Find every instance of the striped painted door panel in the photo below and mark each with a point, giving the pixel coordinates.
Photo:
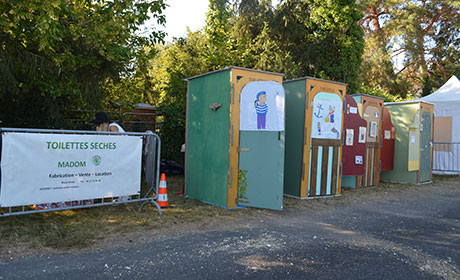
(370, 176)
(324, 164)
(372, 114)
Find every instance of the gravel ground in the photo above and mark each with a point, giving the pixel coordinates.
(397, 232)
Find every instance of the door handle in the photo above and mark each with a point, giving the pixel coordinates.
(243, 149)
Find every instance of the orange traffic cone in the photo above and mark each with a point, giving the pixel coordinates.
(162, 192)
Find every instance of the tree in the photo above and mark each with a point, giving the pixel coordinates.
(174, 63)
(219, 50)
(57, 54)
(322, 37)
(297, 38)
(424, 33)
(377, 69)
(426, 22)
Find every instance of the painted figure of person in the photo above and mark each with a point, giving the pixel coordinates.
(331, 113)
(330, 116)
(261, 109)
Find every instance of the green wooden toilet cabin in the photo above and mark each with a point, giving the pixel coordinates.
(314, 124)
(235, 138)
(413, 154)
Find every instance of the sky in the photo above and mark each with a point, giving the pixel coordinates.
(181, 14)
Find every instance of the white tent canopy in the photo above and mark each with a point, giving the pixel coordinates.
(448, 94)
(446, 102)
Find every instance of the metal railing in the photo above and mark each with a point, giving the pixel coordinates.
(150, 195)
(446, 157)
(134, 121)
(138, 121)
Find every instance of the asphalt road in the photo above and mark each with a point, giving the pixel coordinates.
(409, 234)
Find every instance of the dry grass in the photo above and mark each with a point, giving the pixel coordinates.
(82, 228)
(66, 230)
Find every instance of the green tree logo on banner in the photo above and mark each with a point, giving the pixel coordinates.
(96, 160)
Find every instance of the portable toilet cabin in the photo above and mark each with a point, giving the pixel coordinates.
(354, 145)
(388, 142)
(413, 121)
(235, 138)
(371, 109)
(314, 122)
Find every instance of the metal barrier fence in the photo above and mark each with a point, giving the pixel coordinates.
(138, 121)
(446, 158)
(151, 167)
(134, 121)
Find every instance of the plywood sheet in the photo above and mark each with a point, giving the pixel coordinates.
(443, 129)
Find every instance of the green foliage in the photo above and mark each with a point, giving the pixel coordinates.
(338, 41)
(375, 91)
(298, 38)
(218, 50)
(314, 38)
(242, 185)
(56, 55)
(136, 86)
(172, 65)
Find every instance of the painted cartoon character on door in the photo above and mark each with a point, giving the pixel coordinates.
(330, 116)
(261, 109)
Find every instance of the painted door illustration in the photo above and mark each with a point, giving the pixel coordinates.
(261, 150)
(372, 116)
(425, 150)
(326, 129)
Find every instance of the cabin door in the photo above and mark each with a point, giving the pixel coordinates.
(372, 116)
(326, 132)
(261, 150)
(425, 151)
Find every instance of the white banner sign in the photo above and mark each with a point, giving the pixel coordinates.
(46, 168)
